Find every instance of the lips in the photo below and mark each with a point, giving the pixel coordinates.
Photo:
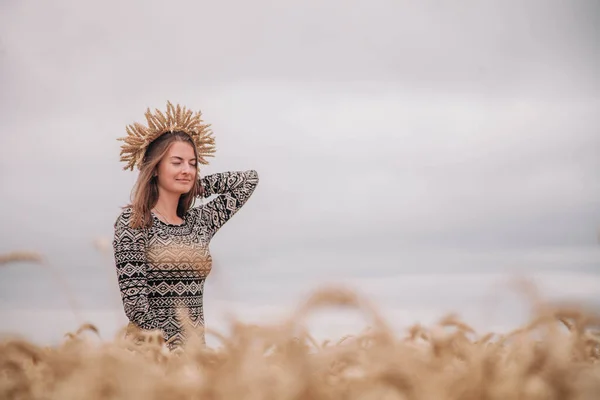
(183, 180)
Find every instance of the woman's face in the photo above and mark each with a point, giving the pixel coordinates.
(177, 170)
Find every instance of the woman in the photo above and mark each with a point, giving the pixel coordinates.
(161, 242)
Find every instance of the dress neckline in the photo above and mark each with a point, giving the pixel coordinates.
(168, 224)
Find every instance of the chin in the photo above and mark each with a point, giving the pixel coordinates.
(181, 191)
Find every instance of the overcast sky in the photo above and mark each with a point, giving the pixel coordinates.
(406, 147)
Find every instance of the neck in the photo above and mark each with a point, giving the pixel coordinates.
(167, 204)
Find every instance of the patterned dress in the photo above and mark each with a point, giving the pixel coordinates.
(161, 270)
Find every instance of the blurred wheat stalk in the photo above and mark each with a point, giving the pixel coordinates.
(36, 258)
(20, 256)
(555, 356)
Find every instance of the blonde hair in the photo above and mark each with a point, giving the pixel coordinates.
(144, 194)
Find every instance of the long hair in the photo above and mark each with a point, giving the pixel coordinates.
(144, 194)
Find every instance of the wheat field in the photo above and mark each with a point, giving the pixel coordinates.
(556, 356)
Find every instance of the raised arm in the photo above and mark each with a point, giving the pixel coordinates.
(233, 188)
(130, 258)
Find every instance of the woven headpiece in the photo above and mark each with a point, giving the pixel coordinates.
(177, 118)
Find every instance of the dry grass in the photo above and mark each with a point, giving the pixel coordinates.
(556, 356)
(20, 256)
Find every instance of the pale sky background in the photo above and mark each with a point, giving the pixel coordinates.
(422, 152)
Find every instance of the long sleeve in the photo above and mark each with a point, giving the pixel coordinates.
(233, 188)
(130, 258)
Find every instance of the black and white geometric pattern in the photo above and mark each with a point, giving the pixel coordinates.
(163, 268)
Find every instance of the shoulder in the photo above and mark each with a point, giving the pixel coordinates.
(123, 230)
(194, 212)
(124, 218)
